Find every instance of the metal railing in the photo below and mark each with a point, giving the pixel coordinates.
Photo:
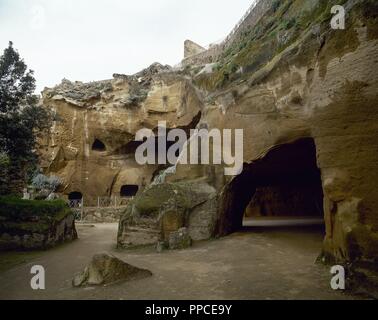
(107, 202)
(241, 21)
(77, 207)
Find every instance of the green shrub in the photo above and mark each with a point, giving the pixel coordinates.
(15, 209)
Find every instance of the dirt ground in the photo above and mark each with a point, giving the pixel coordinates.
(274, 263)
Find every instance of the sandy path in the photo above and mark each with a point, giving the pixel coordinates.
(275, 264)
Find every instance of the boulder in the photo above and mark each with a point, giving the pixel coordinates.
(165, 208)
(105, 269)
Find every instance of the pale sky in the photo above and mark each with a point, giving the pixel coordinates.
(88, 40)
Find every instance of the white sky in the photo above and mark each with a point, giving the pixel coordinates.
(89, 40)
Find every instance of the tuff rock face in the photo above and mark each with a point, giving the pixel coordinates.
(321, 87)
(91, 146)
(163, 209)
(307, 99)
(191, 48)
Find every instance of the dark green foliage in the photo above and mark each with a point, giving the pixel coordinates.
(288, 24)
(21, 119)
(28, 216)
(16, 209)
(4, 171)
(276, 4)
(19, 216)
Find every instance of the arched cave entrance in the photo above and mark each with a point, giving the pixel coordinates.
(285, 184)
(98, 145)
(129, 190)
(75, 196)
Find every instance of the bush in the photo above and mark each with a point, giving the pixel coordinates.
(41, 181)
(25, 217)
(4, 160)
(4, 173)
(15, 209)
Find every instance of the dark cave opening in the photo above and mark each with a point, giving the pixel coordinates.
(98, 145)
(75, 196)
(284, 186)
(128, 191)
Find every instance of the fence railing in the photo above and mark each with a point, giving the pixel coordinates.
(106, 202)
(78, 206)
(240, 22)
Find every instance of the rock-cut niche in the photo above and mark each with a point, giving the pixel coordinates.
(75, 195)
(98, 145)
(129, 190)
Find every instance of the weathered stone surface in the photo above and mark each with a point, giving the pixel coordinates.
(165, 208)
(290, 78)
(105, 269)
(191, 48)
(180, 239)
(320, 86)
(111, 111)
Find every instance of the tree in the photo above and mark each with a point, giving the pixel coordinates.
(22, 120)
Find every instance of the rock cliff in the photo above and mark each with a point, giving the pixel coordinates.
(306, 96)
(91, 144)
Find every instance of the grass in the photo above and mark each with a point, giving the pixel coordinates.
(281, 27)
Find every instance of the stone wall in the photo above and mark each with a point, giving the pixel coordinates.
(212, 54)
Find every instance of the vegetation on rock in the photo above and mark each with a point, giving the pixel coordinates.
(282, 26)
(33, 224)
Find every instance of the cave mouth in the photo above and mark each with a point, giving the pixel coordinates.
(98, 145)
(74, 196)
(128, 191)
(284, 188)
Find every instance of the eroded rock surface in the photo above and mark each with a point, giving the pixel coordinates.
(290, 77)
(165, 208)
(105, 269)
(180, 239)
(91, 145)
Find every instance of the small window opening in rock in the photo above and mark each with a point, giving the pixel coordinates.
(129, 190)
(75, 195)
(98, 146)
